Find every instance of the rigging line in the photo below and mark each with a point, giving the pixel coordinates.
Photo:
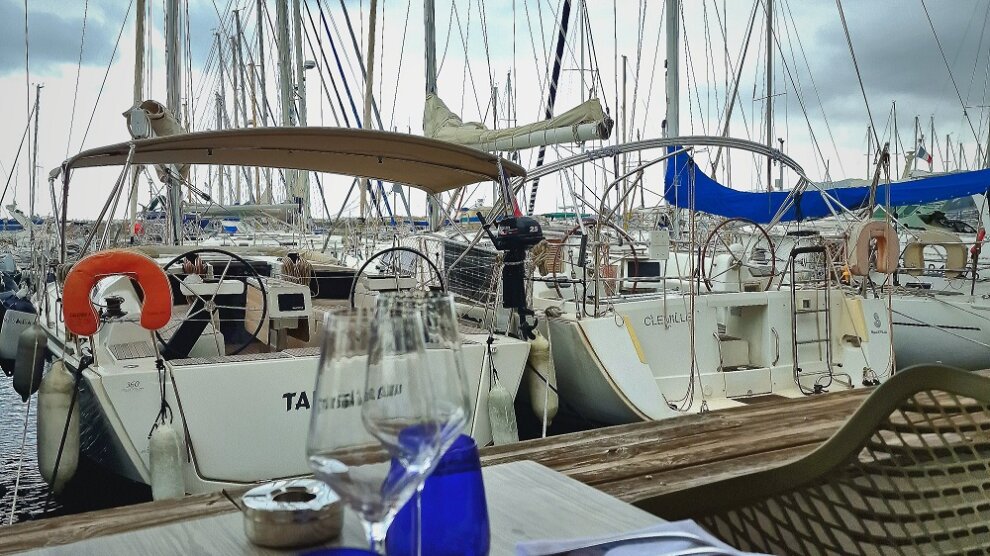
(543, 39)
(640, 29)
(212, 59)
(859, 76)
(113, 55)
(797, 93)
(948, 69)
(347, 59)
(653, 74)
(27, 88)
(13, 167)
(398, 77)
(615, 61)
(814, 84)
(979, 49)
(190, 102)
(323, 81)
(357, 117)
(326, 63)
(532, 44)
(594, 54)
(75, 93)
(467, 65)
(446, 42)
(565, 17)
(350, 97)
(360, 55)
(483, 17)
(692, 74)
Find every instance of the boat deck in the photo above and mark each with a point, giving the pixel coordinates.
(630, 462)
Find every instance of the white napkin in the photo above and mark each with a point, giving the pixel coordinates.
(644, 547)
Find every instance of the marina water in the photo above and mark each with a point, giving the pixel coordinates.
(31, 489)
(90, 489)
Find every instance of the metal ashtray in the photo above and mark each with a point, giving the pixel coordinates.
(292, 513)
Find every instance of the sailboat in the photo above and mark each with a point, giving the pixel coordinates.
(236, 363)
(221, 343)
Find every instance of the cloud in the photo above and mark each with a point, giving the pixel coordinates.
(54, 35)
(898, 57)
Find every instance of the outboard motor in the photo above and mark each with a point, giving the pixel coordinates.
(514, 236)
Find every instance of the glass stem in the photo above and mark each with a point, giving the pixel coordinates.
(375, 530)
(418, 520)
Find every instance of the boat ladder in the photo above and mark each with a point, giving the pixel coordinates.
(814, 308)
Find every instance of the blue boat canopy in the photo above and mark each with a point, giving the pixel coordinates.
(714, 198)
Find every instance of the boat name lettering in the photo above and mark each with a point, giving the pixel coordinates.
(295, 401)
(666, 320)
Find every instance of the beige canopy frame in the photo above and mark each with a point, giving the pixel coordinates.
(427, 164)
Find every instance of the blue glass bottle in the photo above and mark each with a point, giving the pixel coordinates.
(454, 509)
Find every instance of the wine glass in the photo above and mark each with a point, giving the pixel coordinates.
(444, 358)
(371, 380)
(446, 365)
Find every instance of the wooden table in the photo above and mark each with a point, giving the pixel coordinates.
(629, 462)
(526, 501)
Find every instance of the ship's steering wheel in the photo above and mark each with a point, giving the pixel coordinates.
(727, 233)
(390, 262)
(203, 305)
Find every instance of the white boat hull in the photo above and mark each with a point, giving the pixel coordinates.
(636, 364)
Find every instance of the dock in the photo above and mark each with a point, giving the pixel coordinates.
(629, 462)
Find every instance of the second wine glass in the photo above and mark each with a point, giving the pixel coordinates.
(371, 380)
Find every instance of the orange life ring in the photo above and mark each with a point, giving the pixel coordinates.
(80, 316)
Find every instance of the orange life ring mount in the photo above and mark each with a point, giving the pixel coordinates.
(80, 316)
(886, 242)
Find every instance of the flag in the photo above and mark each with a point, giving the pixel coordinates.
(923, 154)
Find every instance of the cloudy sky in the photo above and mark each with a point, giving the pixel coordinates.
(484, 43)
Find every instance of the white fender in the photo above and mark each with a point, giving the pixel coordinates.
(29, 365)
(502, 414)
(166, 464)
(541, 379)
(54, 398)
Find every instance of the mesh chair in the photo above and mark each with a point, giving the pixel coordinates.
(909, 473)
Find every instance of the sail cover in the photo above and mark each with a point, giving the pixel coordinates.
(712, 197)
(585, 122)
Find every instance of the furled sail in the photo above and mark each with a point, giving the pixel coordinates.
(585, 122)
(152, 119)
(687, 185)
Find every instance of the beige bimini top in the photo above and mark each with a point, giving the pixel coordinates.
(428, 164)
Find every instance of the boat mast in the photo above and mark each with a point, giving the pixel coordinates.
(284, 83)
(986, 153)
(672, 119)
(221, 95)
(369, 84)
(934, 144)
(769, 92)
(260, 9)
(237, 108)
(302, 177)
(869, 150)
(34, 156)
(173, 100)
(897, 142)
(430, 24)
(138, 94)
(673, 84)
(242, 80)
(917, 141)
